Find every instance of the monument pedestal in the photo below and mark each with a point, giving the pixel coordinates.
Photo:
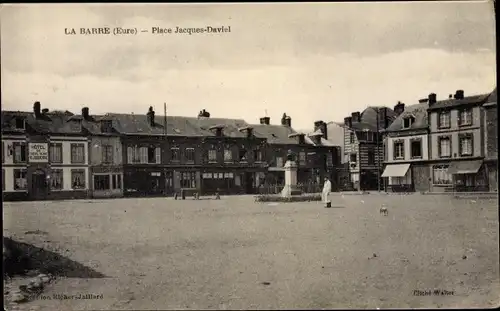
(290, 188)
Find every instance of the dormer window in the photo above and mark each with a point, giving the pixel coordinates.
(20, 123)
(218, 129)
(106, 126)
(408, 122)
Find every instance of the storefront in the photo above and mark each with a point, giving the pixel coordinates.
(399, 177)
(469, 176)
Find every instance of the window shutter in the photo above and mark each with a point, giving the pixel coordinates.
(394, 150)
(130, 155)
(158, 155)
(403, 150)
(144, 154)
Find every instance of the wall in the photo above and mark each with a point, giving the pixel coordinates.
(491, 139)
(96, 150)
(407, 151)
(336, 137)
(421, 173)
(66, 164)
(351, 148)
(477, 150)
(433, 119)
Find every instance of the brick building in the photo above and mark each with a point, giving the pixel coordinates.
(363, 146)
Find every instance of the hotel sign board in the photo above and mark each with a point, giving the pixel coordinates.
(38, 152)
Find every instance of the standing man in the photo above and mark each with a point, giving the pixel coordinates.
(327, 188)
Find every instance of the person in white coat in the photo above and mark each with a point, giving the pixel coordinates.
(327, 188)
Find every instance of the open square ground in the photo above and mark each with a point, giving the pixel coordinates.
(234, 253)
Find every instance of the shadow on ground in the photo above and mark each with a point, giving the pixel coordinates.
(24, 257)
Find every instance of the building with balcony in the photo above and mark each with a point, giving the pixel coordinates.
(45, 155)
(364, 148)
(491, 140)
(406, 147)
(456, 143)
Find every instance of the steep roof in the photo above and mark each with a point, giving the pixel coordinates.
(419, 111)
(278, 134)
(452, 102)
(369, 118)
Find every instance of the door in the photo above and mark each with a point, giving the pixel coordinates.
(38, 185)
(169, 182)
(249, 183)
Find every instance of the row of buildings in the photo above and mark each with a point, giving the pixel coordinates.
(58, 154)
(431, 146)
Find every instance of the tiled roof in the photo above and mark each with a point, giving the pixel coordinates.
(276, 134)
(54, 123)
(419, 111)
(451, 102)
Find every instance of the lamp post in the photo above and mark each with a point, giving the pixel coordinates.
(378, 150)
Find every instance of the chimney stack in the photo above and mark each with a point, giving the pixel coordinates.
(423, 100)
(432, 99)
(151, 116)
(85, 113)
(265, 120)
(37, 109)
(399, 108)
(302, 138)
(450, 96)
(348, 122)
(286, 120)
(356, 116)
(459, 94)
(321, 125)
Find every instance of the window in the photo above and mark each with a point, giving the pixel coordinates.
(77, 153)
(302, 158)
(56, 179)
(353, 158)
(3, 180)
(228, 155)
(20, 123)
(20, 181)
(369, 136)
(212, 155)
(416, 148)
(175, 154)
(444, 146)
(257, 155)
(444, 120)
(371, 157)
(465, 117)
(242, 154)
(466, 145)
(352, 138)
(107, 153)
(188, 180)
(398, 180)
(329, 159)
(279, 162)
(133, 154)
(408, 122)
(116, 181)
(101, 182)
(440, 175)
(399, 150)
(55, 153)
(189, 154)
(77, 179)
(153, 155)
(19, 152)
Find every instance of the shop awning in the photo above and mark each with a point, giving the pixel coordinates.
(396, 170)
(465, 167)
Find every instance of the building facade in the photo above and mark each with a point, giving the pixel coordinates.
(364, 147)
(456, 139)
(48, 159)
(407, 150)
(491, 140)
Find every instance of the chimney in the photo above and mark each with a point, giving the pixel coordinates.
(423, 100)
(265, 120)
(249, 132)
(459, 94)
(385, 118)
(450, 96)
(356, 116)
(45, 110)
(399, 108)
(85, 113)
(286, 120)
(348, 121)
(151, 116)
(321, 125)
(204, 114)
(37, 109)
(301, 138)
(432, 99)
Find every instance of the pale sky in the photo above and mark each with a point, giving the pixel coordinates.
(316, 61)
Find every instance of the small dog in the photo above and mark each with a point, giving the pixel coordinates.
(384, 211)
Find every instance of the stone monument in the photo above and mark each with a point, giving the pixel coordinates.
(290, 188)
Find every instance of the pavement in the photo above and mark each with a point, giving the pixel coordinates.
(233, 253)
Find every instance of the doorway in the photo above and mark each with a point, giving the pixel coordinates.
(249, 183)
(39, 185)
